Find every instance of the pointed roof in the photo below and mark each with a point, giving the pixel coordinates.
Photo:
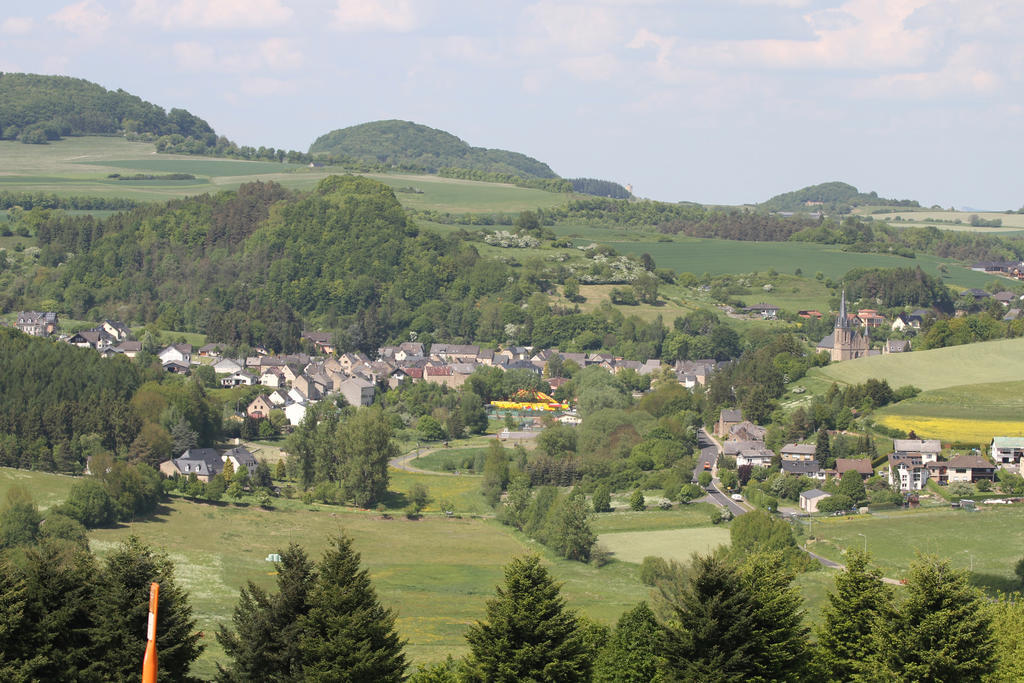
(842, 322)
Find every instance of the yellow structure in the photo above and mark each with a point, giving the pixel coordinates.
(530, 400)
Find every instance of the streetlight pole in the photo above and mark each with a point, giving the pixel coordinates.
(865, 542)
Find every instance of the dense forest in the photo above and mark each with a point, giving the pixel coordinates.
(834, 197)
(600, 188)
(410, 144)
(36, 108)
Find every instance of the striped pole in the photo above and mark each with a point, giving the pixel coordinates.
(149, 661)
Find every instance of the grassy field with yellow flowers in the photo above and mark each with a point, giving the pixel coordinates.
(972, 413)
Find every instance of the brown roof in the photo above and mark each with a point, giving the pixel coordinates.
(971, 462)
(862, 465)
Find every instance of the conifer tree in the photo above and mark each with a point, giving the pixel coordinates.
(264, 642)
(121, 611)
(347, 634)
(859, 602)
(779, 637)
(942, 631)
(633, 653)
(710, 617)
(529, 635)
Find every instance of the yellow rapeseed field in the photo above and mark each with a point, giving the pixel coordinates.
(954, 429)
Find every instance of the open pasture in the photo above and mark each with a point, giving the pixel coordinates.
(672, 544)
(994, 361)
(436, 573)
(992, 538)
(47, 489)
(1012, 222)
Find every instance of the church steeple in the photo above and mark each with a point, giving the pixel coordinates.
(842, 322)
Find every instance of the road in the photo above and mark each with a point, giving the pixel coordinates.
(709, 455)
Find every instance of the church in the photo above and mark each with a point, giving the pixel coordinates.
(844, 343)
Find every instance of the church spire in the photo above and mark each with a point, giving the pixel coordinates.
(842, 322)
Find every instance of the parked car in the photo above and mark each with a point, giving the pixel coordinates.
(737, 496)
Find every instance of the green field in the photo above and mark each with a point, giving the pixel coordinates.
(80, 166)
(717, 257)
(993, 537)
(47, 489)
(672, 544)
(447, 459)
(1012, 222)
(436, 573)
(994, 361)
(991, 401)
(685, 517)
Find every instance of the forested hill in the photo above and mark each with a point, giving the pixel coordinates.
(407, 144)
(36, 108)
(834, 197)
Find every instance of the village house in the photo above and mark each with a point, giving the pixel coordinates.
(237, 379)
(322, 341)
(176, 352)
(213, 350)
(129, 349)
(358, 391)
(809, 500)
(747, 431)
(240, 457)
(227, 366)
(926, 449)
(895, 346)
(727, 419)
(797, 452)
(970, 468)
(459, 353)
(205, 463)
(766, 311)
(861, 466)
(869, 317)
(908, 472)
(803, 468)
(755, 456)
(295, 412)
(97, 339)
(177, 367)
(37, 323)
(1007, 450)
(259, 408)
(906, 321)
(938, 472)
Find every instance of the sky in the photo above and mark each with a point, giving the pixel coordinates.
(714, 101)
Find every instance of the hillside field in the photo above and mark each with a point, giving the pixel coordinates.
(80, 166)
(994, 361)
(972, 413)
(47, 489)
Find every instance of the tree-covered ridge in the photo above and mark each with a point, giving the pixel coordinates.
(36, 108)
(407, 144)
(834, 197)
(600, 188)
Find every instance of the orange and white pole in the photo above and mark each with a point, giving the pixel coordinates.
(149, 661)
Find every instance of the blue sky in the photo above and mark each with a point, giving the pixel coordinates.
(717, 101)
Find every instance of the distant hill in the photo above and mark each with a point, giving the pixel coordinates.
(407, 144)
(35, 109)
(832, 197)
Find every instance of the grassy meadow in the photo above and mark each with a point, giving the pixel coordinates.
(47, 489)
(672, 544)
(993, 536)
(994, 361)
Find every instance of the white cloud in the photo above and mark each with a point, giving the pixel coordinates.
(212, 14)
(87, 18)
(280, 54)
(592, 68)
(396, 16)
(16, 26)
(965, 73)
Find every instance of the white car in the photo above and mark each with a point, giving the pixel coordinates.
(737, 496)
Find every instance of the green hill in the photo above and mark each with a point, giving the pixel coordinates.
(995, 361)
(35, 108)
(834, 197)
(411, 145)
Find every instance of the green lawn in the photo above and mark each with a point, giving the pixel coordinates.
(990, 401)
(992, 536)
(689, 516)
(468, 196)
(672, 544)
(995, 361)
(47, 489)
(448, 459)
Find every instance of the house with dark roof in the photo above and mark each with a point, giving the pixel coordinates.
(803, 468)
(727, 419)
(895, 346)
(205, 463)
(861, 466)
(796, 452)
(908, 472)
(37, 323)
(971, 468)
